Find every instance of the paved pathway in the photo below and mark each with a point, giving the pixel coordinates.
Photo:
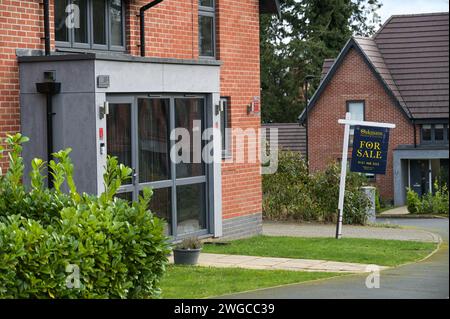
(402, 210)
(270, 263)
(320, 230)
(426, 279)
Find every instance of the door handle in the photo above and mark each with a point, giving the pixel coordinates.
(134, 176)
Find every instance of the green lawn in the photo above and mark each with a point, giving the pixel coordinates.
(367, 251)
(184, 282)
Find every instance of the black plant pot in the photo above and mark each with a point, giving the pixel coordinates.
(186, 256)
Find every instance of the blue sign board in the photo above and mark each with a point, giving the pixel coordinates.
(370, 150)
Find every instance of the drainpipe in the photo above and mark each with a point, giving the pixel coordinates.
(142, 20)
(47, 26)
(50, 88)
(415, 134)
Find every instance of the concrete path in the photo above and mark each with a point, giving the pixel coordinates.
(396, 211)
(426, 279)
(270, 263)
(320, 230)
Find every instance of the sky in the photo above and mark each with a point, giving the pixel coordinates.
(393, 7)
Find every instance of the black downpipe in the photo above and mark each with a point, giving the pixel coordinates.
(49, 137)
(415, 134)
(49, 88)
(142, 22)
(47, 26)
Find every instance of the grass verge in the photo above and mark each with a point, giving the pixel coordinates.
(185, 282)
(356, 250)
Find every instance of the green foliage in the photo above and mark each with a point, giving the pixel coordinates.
(293, 194)
(45, 235)
(309, 32)
(437, 203)
(115, 175)
(190, 243)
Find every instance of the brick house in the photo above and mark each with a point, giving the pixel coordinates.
(115, 77)
(400, 75)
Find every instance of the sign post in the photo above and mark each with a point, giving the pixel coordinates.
(369, 155)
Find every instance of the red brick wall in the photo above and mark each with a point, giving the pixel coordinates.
(20, 27)
(171, 32)
(354, 81)
(238, 48)
(171, 29)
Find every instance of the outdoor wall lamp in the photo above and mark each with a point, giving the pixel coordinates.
(103, 110)
(254, 107)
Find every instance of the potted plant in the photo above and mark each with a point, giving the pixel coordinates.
(187, 252)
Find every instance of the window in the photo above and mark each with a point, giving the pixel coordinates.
(356, 109)
(207, 28)
(434, 133)
(426, 133)
(225, 125)
(439, 132)
(90, 24)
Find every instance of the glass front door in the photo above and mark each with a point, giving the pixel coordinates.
(138, 133)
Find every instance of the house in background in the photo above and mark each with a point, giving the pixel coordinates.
(401, 76)
(117, 80)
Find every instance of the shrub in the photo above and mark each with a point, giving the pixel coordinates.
(293, 194)
(190, 243)
(413, 201)
(437, 203)
(47, 236)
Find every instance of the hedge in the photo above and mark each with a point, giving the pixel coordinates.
(49, 239)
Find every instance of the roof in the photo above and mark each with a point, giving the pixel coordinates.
(415, 49)
(291, 136)
(409, 55)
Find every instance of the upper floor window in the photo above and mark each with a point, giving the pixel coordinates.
(434, 133)
(207, 28)
(356, 109)
(90, 24)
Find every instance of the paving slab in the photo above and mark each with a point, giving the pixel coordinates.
(402, 210)
(270, 263)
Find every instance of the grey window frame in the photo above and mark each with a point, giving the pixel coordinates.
(225, 117)
(207, 179)
(71, 44)
(207, 12)
(433, 134)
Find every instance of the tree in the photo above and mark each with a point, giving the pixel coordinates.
(309, 32)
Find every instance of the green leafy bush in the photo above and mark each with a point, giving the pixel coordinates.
(413, 201)
(48, 237)
(293, 194)
(430, 203)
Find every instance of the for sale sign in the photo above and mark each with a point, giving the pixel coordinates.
(370, 150)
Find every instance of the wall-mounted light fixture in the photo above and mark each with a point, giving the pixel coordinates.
(255, 106)
(103, 110)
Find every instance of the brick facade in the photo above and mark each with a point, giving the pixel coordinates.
(354, 80)
(171, 32)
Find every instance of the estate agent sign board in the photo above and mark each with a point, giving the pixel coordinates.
(370, 149)
(369, 154)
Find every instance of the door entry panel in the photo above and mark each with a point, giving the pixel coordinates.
(138, 133)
